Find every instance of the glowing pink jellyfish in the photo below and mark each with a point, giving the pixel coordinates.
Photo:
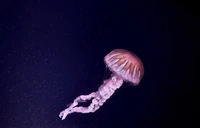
(125, 66)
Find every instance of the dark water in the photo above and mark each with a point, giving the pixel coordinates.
(52, 51)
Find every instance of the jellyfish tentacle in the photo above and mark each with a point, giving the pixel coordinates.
(104, 92)
(71, 108)
(84, 98)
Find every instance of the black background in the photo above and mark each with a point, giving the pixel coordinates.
(52, 51)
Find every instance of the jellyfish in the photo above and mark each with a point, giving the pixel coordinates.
(125, 67)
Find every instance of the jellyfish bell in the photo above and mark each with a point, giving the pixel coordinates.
(125, 65)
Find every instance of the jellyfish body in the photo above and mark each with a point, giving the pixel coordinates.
(125, 66)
